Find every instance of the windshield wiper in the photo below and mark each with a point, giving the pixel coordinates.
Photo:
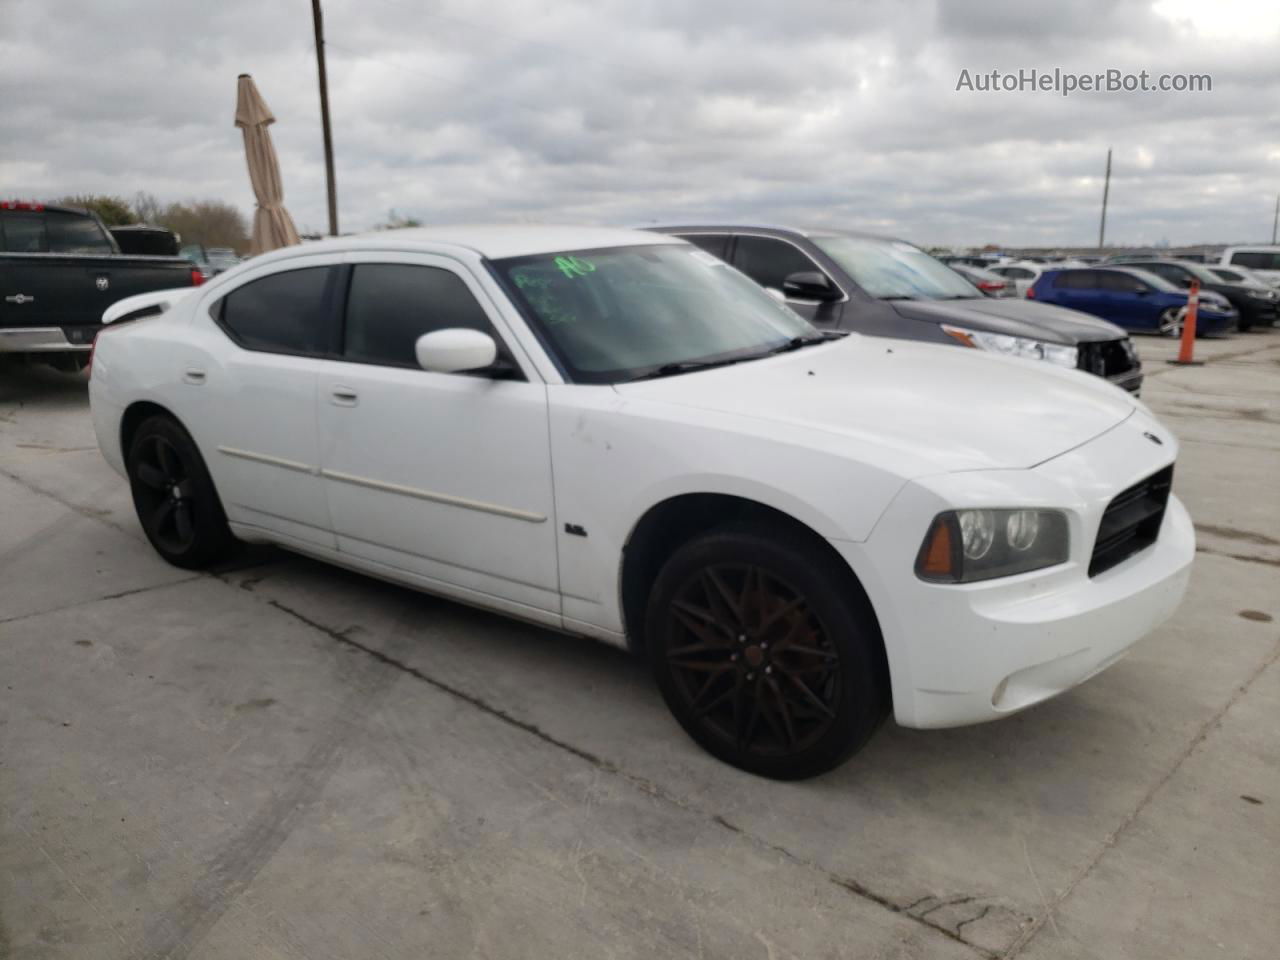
(795, 343)
(685, 366)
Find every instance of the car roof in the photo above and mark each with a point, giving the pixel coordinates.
(494, 241)
(1146, 276)
(764, 229)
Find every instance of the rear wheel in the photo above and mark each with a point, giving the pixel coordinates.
(174, 496)
(765, 653)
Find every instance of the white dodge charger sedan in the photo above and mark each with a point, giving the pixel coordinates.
(614, 434)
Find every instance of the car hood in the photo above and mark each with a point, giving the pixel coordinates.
(1014, 316)
(914, 407)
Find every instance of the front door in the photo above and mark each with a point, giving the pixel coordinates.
(444, 476)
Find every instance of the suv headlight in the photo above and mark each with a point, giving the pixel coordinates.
(1262, 294)
(963, 546)
(1056, 353)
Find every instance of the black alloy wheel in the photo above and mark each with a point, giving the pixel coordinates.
(174, 496)
(763, 654)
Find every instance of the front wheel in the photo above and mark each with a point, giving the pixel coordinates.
(1171, 322)
(765, 653)
(174, 496)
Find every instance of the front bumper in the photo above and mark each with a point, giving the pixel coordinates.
(967, 653)
(42, 340)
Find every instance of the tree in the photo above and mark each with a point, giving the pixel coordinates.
(114, 211)
(397, 222)
(213, 223)
(147, 208)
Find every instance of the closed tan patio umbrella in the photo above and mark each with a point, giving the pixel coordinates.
(272, 226)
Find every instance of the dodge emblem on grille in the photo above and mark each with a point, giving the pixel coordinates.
(103, 283)
(1153, 438)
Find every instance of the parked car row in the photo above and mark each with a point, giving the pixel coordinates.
(1150, 293)
(889, 288)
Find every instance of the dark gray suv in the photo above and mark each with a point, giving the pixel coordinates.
(841, 280)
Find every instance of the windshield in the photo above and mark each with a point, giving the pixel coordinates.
(892, 270)
(625, 312)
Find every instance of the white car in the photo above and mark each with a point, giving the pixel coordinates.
(1262, 261)
(1022, 273)
(614, 434)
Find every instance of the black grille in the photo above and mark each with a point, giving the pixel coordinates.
(1107, 358)
(1131, 521)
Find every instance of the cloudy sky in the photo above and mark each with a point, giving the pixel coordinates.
(626, 111)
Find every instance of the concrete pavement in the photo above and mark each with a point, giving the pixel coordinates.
(287, 760)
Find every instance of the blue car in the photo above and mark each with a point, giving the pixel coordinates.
(1133, 299)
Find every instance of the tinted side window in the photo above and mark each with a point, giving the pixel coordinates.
(1075, 280)
(716, 244)
(1121, 283)
(282, 313)
(391, 305)
(70, 233)
(23, 233)
(768, 262)
(1258, 259)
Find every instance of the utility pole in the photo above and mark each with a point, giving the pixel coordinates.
(1106, 190)
(318, 19)
(1275, 221)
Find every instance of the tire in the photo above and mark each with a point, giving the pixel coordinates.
(1171, 322)
(791, 712)
(174, 496)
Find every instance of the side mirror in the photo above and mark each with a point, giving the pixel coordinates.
(455, 350)
(810, 285)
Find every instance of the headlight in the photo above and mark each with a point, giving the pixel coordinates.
(963, 546)
(1055, 353)
(1262, 294)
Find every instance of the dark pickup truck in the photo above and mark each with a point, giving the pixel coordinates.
(59, 270)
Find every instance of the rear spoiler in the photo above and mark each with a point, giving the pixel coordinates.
(144, 305)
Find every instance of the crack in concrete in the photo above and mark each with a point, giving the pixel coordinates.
(1244, 557)
(641, 783)
(1231, 533)
(106, 596)
(1110, 840)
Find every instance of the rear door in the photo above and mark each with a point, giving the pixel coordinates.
(251, 396)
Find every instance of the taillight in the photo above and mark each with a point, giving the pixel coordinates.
(1031, 293)
(197, 277)
(21, 205)
(990, 285)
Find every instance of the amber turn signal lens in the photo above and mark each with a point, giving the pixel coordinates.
(937, 554)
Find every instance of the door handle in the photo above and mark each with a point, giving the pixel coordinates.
(344, 397)
(193, 376)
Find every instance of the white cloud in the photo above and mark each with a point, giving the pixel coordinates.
(813, 111)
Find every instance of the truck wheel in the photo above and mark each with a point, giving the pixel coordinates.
(764, 652)
(174, 496)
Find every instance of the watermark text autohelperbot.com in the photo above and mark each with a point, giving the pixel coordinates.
(1065, 82)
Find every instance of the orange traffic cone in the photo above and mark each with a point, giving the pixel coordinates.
(1187, 349)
